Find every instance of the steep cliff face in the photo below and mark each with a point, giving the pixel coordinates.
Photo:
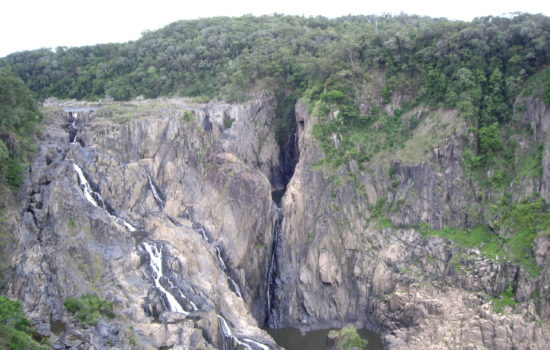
(341, 261)
(149, 206)
(165, 208)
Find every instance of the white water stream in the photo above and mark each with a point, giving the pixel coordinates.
(222, 263)
(159, 200)
(96, 200)
(73, 125)
(155, 256)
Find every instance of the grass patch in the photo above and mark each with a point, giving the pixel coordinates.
(521, 223)
(488, 243)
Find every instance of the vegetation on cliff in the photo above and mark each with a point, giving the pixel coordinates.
(19, 120)
(15, 330)
(89, 308)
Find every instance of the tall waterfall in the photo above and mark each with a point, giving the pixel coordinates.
(273, 268)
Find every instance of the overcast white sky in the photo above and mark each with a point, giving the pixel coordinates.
(32, 24)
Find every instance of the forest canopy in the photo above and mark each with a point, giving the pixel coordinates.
(229, 57)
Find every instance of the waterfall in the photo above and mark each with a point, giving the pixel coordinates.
(203, 234)
(247, 343)
(96, 200)
(273, 263)
(85, 185)
(155, 261)
(223, 266)
(232, 283)
(156, 194)
(73, 131)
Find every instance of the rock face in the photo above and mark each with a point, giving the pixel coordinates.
(162, 229)
(172, 220)
(340, 265)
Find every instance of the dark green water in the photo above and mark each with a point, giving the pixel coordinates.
(293, 339)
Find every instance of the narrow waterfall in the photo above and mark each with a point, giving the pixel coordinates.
(156, 193)
(223, 266)
(288, 158)
(73, 131)
(155, 261)
(96, 200)
(273, 267)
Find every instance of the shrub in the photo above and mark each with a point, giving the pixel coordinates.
(15, 329)
(348, 338)
(489, 139)
(506, 298)
(89, 308)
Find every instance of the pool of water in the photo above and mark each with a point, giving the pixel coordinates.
(293, 339)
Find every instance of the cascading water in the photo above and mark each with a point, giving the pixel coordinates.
(155, 191)
(73, 131)
(176, 295)
(96, 200)
(234, 286)
(155, 261)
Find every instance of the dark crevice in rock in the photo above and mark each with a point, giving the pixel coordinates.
(288, 158)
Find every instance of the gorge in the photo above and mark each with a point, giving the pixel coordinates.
(394, 190)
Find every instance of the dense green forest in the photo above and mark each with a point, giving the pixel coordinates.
(477, 68)
(227, 57)
(19, 120)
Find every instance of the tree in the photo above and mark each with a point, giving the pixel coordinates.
(347, 338)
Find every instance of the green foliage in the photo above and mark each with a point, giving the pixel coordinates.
(230, 56)
(227, 122)
(489, 139)
(523, 222)
(89, 308)
(15, 329)
(539, 86)
(380, 207)
(506, 298)
(488, 243)
(348, 338)
(328, 60)
(187, 117)
(19, 120)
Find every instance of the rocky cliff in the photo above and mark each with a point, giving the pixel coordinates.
(158, 207)
(165, 209)
(341, 261)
